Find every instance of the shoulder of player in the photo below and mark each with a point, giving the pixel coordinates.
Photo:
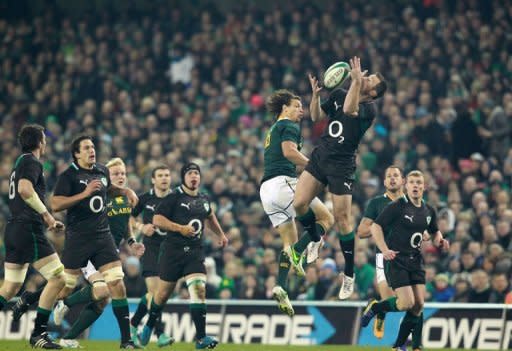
(29, 159)
(70, 172)
(338, 93)
(377, 198)
(284, 124)
(430, 208)
(401, 201)
(204, 195)
(102, 168)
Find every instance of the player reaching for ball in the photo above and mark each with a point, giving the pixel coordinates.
(282, 155)
(333, 163)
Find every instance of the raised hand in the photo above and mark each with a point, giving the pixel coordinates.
(315, 87)
(355, 73)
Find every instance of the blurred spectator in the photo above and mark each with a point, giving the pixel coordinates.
(480, 288)
(500, 288)
(443, 291)
(171, 85)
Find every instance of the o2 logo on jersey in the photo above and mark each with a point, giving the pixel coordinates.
(197, 225)
(96, 204)
(336, 131)
(416, 240)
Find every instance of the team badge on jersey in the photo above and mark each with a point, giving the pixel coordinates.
(428, 219)
(119, 200)
(206, 207)
(104, 181)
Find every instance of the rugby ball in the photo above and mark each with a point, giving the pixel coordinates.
(336, 74)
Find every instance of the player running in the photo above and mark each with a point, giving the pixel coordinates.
(25, 240)
(152, 239)
(82, 191)
(182, 215)
(405, 220)
(393, 182)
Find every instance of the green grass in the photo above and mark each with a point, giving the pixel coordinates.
(19, 345)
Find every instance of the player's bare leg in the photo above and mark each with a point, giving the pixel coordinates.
(308, 187)
(325, 219)
(342, 208)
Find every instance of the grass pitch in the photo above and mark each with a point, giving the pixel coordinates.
(22, 345)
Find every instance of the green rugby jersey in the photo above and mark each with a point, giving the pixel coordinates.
(118, 211)
(275, 164)
(374, 207)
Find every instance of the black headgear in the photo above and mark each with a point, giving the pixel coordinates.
(189, 167)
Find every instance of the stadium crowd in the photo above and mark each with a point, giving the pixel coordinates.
(170, 85)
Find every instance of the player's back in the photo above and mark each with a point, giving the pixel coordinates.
(275, 163)
(27, 166)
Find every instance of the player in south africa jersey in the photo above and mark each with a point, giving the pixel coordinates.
(332, 162)
(406, 221)
(153, 238)
(25, 240)
(282, 155)
(393, 183)
(183, 215)
(82, 191)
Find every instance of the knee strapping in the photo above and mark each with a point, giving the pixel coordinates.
(196, 289)
(71, 280)
(15, 275)
(52, 269)
(113, 274)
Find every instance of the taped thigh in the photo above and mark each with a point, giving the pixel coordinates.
(16, 275)
(52, 269)
(113, 274)
(193, 283)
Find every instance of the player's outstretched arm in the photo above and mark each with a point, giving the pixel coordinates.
(29, 195)
(351, 104)
(213, 223)
(315, 110)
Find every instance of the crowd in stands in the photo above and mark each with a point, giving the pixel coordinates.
(171, 85)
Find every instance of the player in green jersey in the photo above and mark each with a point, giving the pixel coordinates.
(281, 157)
(393, 182)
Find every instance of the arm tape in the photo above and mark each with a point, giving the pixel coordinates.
(35, 202)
